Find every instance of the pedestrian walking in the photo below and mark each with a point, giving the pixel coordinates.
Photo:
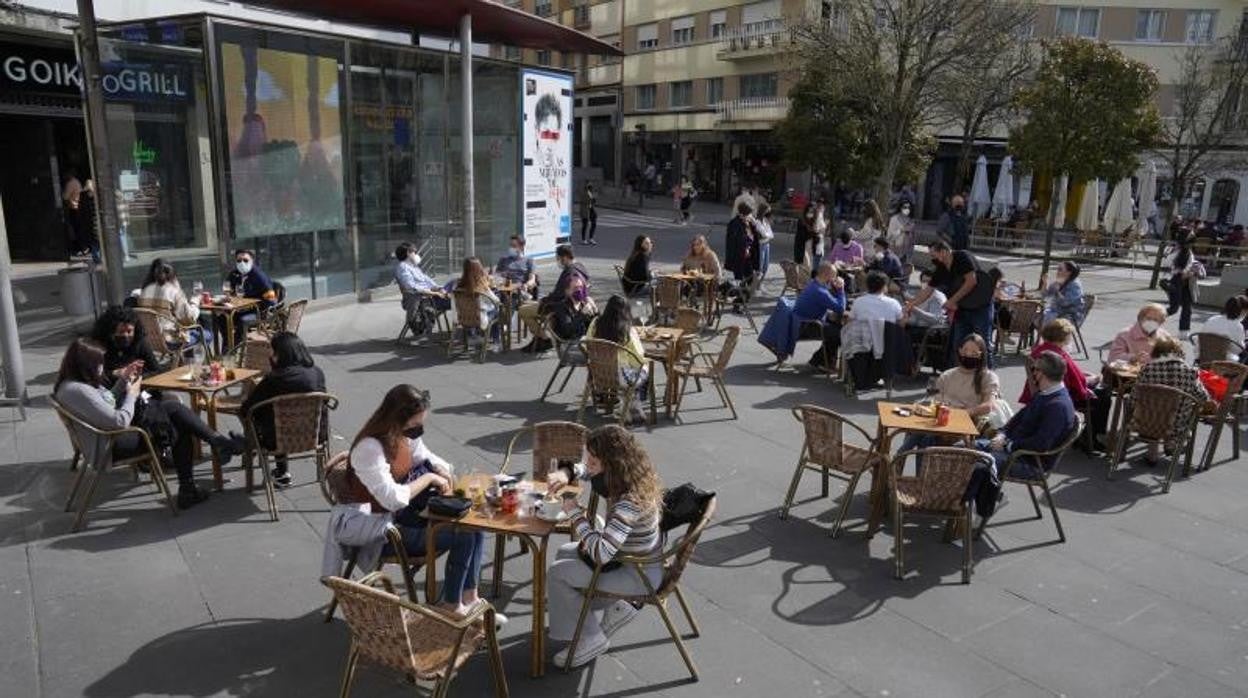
(589, 214)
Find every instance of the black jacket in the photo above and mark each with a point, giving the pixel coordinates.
(636, 274)
(560, 291)
(115, 358)
(740, 249)
(291, 380)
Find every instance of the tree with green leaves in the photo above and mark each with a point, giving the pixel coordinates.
(894, 54)
(1206, 116)
(1088, 113)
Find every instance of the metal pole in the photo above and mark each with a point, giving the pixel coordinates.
(10, 342)
(465, 126)
(101, 163)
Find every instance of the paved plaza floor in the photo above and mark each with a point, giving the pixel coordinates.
(1149, 596)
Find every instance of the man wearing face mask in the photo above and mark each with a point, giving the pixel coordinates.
(413, 281)
(823, 301)
(517, 268)
(249, 281)
(531, 312)
(953, 225)
(1134, 344)
(901, 232)
(886, 262)
(970, 292)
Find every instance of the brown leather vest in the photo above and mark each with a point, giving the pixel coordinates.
(400, 466)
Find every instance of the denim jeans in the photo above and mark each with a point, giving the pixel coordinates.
(463, 561)
(971, 321)
(764, 259)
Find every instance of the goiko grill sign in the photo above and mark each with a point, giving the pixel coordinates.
(25, 68)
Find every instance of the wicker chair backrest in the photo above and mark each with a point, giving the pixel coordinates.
(1155, 409)
(554, 442)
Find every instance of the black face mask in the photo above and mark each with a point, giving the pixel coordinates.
(122, 342)
(844, 238)
(599, 484)
(970, 362)
(415, 432)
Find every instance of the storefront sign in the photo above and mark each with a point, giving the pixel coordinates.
(546, 122)
(26, 68)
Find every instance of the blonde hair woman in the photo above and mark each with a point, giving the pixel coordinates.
(620, 471)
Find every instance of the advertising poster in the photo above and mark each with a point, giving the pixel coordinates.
(547, 131)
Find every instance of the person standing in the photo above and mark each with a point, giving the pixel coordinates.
(1182, 284)
(686, 192)
(901, 232)
(765, 234)
(953, 226)
(969, 290)
(872, 224)
(745, 197)
(589, 214)
(802, 236)
(740, 246)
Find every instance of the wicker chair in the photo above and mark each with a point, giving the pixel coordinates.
(937, 490)
(704, 364)
(1153, 416)
(570, 357)
(105, 438)
(420, 316)
(300, 430)
(468, 317)
(254, 353)
(1214, 347)
(689, 320)
(168, 349)
(825, 451)
(796, 276)
(668, 298)
(605, 378)
(674, 561)
(419, 642)
(1024, 315)
(1009, 475)
(1089, 300)
(1228, 411)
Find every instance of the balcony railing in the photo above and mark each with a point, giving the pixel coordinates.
(751, 109)
(758, 38)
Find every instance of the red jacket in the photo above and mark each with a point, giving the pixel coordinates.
(1076, 384)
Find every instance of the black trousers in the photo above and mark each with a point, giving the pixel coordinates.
(590, 223)
(1181, 301)
(825, 356)
(186, 426)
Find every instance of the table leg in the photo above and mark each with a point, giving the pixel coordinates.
(539, 606)
(217, 477)
(879, 482)
(1111, 435)
(651, 390)
(431, 561)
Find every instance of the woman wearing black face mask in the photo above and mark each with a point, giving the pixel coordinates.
(119, 331)
(393, 473)
(293, 372)
(970, 386)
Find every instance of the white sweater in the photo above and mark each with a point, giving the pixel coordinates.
(170, 298)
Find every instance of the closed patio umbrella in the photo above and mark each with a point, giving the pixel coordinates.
(1148, 191)
(1059, 192)
(981, 198)
(1024, 191)
(1087, 221)
(1003, 197)
(1120, 210)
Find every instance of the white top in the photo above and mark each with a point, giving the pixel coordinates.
(170, 296)
(765, 233)
(1231, 329)
(873, 307)
(368, 460)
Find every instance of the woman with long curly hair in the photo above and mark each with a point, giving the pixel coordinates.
(474, 279)
(620, 471)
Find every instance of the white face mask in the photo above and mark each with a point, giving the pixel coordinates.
(905, 212)
(244, 268)
(517, 252)
(879, 255)
(1150, 326)
(414, 258)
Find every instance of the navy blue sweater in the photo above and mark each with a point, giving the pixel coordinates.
(1043, 423)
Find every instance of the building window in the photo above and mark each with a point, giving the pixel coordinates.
(1078, 21)
(760, 85)
(581, 16)
(647, 36)
(682, 94)
(542, 8)
(719, 24)
(761, 17)
(645, 96)
(1200, 26)
(511, 53)
(714, 90)
(682, 30)
(543, 57)
(1149, 25)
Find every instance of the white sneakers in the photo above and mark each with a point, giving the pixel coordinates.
(616, 616)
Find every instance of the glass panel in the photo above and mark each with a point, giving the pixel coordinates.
(762, 85)
(714, 90)
(1067, 20)
(1088, 19)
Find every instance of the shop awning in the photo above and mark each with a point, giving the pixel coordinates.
(492, 22)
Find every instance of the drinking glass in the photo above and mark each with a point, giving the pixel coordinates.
(197, 288)
(226, 287)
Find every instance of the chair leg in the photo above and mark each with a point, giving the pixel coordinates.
(500, 543)
(845, 499)
(1120, 451)
(348, 676)
(898, 544)
(162, 486)
(680, 396)
(680, 644)
(684, 606)
(86, 501)
(967, 559)
(270, 495)
(1048, 495)
(496, 660)
(551, 382)
(826, 479)
(1035, 504)
(567, 377)
(73, 491)
(723, 392)
(346, 574)
(797, 477)
(73, 462)
(580, 625)
(580, 412)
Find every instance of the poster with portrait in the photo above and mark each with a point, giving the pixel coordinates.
(546, 125)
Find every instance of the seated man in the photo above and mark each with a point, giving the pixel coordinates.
(248, 280)
(887, 262)
(531, 312)
(1041, 425)
(414, 282)
(518, 269)
(874, 305)
(823, 301)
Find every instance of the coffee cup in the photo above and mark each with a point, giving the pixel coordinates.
(548, 508)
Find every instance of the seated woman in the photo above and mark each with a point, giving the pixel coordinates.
(162, 292)
(970, 386)
(1169, 367)
(1000, 294)
(637, 275)
(293, 372)
(113, 401)
(1064, 297)
(621, 472)
(392, 470)
(701, 258)
(1230, 325)
(1083, 387)
(1134, 344)
(570, 318)
(117, 329)
(615, 324)
(474, 279)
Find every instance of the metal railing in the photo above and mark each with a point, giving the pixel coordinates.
(752, 109)
(755, 36)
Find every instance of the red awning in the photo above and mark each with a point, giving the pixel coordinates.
(492, 22)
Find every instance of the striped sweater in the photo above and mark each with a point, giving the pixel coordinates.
(627, 530)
